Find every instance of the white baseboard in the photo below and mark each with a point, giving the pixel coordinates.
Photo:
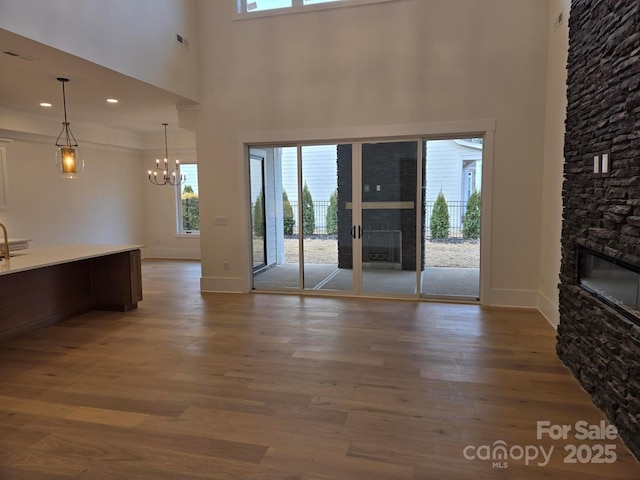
(223, 285)
(503, 297)
(550, 309)
(500, 297)
(172, 253)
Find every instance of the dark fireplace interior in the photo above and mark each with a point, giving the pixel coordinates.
(599, 334)
(382, 248)
(612, 281)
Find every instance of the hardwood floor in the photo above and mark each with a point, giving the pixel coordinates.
(226, 386)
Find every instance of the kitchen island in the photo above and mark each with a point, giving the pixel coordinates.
(40, 286)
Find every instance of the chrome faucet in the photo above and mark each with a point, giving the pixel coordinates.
(6, 242)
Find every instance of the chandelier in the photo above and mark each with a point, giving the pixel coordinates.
(168, 176)
(68, 161)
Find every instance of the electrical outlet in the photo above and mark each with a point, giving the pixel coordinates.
(225, 266)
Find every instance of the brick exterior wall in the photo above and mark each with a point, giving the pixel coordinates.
(602, 212)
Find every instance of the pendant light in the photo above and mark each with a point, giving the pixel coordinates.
(68, 161)
(169, 176)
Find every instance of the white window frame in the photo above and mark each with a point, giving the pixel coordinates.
(297, 7)
(3, 174)
(178, 197)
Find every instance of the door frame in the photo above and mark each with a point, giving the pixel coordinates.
(459, 129)
(358, 207)
(262, 160)
(423, 182)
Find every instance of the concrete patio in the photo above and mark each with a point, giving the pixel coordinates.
(436, 281)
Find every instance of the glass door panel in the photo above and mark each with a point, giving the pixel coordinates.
(326, 222)
(452, 169)
(276, 244)
(389, 220)
(258, 223)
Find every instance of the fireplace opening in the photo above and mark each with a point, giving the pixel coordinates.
(613, 281)
(382, 249)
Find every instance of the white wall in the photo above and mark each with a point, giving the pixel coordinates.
(133, 37)
(113, 202)
(104, 206)
(556, 104)
(397, 63)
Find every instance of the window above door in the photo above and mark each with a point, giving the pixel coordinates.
(262, 8)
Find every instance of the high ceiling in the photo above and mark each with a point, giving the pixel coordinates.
(30, 79)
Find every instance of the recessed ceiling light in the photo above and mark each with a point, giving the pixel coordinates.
(112, 100)
(45, 104)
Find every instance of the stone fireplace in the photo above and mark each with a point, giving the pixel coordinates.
(597, 339)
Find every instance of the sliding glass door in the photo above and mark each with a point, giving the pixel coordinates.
(303, 225)
(275, 239)
(388, 227)
(452, 172)
(326, 227)
(385, 218)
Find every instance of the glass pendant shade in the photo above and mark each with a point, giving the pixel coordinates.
(68, 162)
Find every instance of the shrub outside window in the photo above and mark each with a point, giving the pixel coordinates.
(187, 201)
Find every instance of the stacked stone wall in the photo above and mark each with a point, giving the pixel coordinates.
(602, 210)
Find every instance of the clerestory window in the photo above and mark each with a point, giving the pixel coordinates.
(257, 8)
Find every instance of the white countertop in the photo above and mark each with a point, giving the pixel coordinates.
(32, 258)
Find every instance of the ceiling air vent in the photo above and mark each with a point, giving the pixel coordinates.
(21, 56)
(182, 41)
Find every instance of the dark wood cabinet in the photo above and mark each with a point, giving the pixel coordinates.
(34, 298)
(116, 281)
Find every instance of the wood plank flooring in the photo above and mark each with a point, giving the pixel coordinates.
(222, 386)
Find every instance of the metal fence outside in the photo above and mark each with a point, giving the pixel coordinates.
(456, 209)
(320, 212)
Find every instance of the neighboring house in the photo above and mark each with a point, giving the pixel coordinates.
(454, 167)
(319, 170)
